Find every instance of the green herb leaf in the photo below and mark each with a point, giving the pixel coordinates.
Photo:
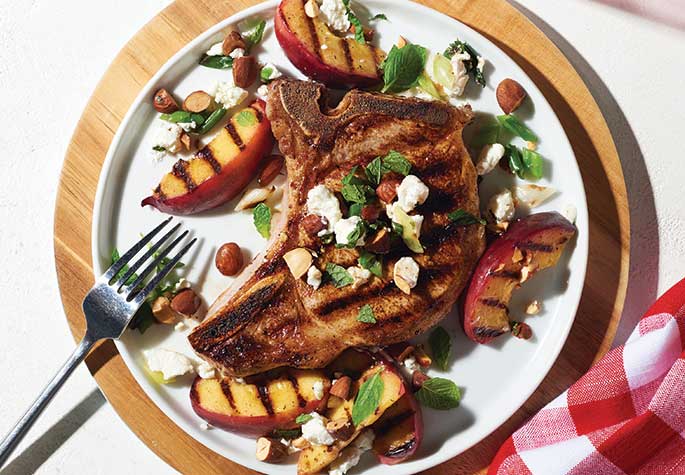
(379, 16)
(515, 160)
(338, 275)
(253, 31)
(124, 270)
(371, 262)
(374, 171)
(439, 393)
(355, 193)
(396, 162)
(402, 68)
(441, 347)
(368, 398)
(366, 315)
(245, 118)
(177, 117)
(327, 238)
(199, 119)
(358, 28)
(261, 215)
(212, 120)
(303, 418)
(265, 74)
(533, 163)
(464, 218)
(216, 62)
(143, 319)
(159, 148)
(287, 434)
(472, 64)
(397, 229)
(355, 209)
(357, 233)
(516, 127)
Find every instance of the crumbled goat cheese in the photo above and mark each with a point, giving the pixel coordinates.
(263, 91)
(317, 388)
(169, 363)
(411, 192)
(314, 277)
(349, 457)
(410, 363)
(314, 431)
(417, 93)
(239, 380)
(570, 212)
(237, 53)
(502, 207)
(206, 371)
(180, 326)
(334, 14)
(217, 49)
(323, 203)
(344, 228)
(489, 158)
(360, 276)
(187, 126)
(168, 137)
(481, 64)
(408, 270)
(275, 73)
(205, 426)
(324, 46)
(229, 95)
(461, 75)
(289, 446)
(418, 222)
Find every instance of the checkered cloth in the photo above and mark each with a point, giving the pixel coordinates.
(625, 416)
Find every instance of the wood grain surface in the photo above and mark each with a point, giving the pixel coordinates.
(151, 47)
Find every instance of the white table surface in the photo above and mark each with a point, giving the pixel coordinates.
(52, 54)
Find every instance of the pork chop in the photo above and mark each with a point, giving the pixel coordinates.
(272, 319)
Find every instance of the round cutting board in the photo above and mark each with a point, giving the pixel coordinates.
(605, 284)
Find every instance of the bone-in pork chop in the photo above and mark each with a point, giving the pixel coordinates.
(272, 319)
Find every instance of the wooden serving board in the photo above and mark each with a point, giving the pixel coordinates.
(605, 284)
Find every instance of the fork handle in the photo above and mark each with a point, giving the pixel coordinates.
(12, 439)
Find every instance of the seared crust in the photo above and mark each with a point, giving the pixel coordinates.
(275, 320)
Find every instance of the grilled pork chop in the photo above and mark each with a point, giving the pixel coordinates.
(272, 319)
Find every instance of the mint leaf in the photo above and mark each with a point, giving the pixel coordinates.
(516, 127)
(368, 398)
(245, 118)
(402, 68)
(356, 234)
(287, 434)
(303, 418)
(439, 393)
(471, 65)
(464, 218)
(396, 162)
(216, 62)
(355, 209)
(533, 163)
(374, 171)
(265, 74)
(159, 148)
(379, 16)
(366, 314)
(338, 275)
(176, 117)
(514, 159)
(371, 262)
(441, 347)
(354, 21)
(253, 31)
(261, 216)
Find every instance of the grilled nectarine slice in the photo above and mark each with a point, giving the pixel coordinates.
(530, 244)
(314, 459)
(220, 171)
(320, 54)
(255, 409)
(398, 431)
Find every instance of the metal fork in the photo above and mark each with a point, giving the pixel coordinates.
(109, 307)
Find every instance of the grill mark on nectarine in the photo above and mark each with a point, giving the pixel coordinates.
(258, 114)
(348, 55)
(263, 392)
(493, 302)
(179, 171)
(315, 43)
(207, 155)
(226, 389)
(534, 246)
(235, 135)
(506, 274)
(485, 332)
(296, 386)
(383, 426)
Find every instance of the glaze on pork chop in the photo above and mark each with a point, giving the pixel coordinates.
(274, 320)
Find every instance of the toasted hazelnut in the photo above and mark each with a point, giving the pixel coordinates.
(162, 311)
(531, 146)
(312, 224)
(299, 261)
(510, 94)
(371, 212)
(533, 308)
(254, 196)
(403, 285)
(422, 357)
(229, 259)
(163, 102)
(380, 242)
(311, 9)
(340, 429)
(521, 330)
(197, 101)
(387, 189)
(333, 402)
(188, 141)
(418, 378)
(341, 388)
(272, 168)
(186, 302)
(526, 273)
(406, 353)
(244, 71)
(401, 42)
(270, 450)
(232, 42)
(300, 443)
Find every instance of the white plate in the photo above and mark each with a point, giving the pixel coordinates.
(496, 379)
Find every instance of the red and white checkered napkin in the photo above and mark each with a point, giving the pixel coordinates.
(625, 416)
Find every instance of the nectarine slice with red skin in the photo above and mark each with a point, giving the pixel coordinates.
(260, 408)
(399, 431)
(320, 54)
(530, 244)
(221, 170)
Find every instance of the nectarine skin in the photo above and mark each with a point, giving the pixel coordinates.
(311, 64)
(229, 178)
(530, 244)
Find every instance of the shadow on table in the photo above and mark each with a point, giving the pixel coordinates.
(33, 456)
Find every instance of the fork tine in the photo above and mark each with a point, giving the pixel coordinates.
(140, 296)
(131, 289)
(123, 260)
(150, 252)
